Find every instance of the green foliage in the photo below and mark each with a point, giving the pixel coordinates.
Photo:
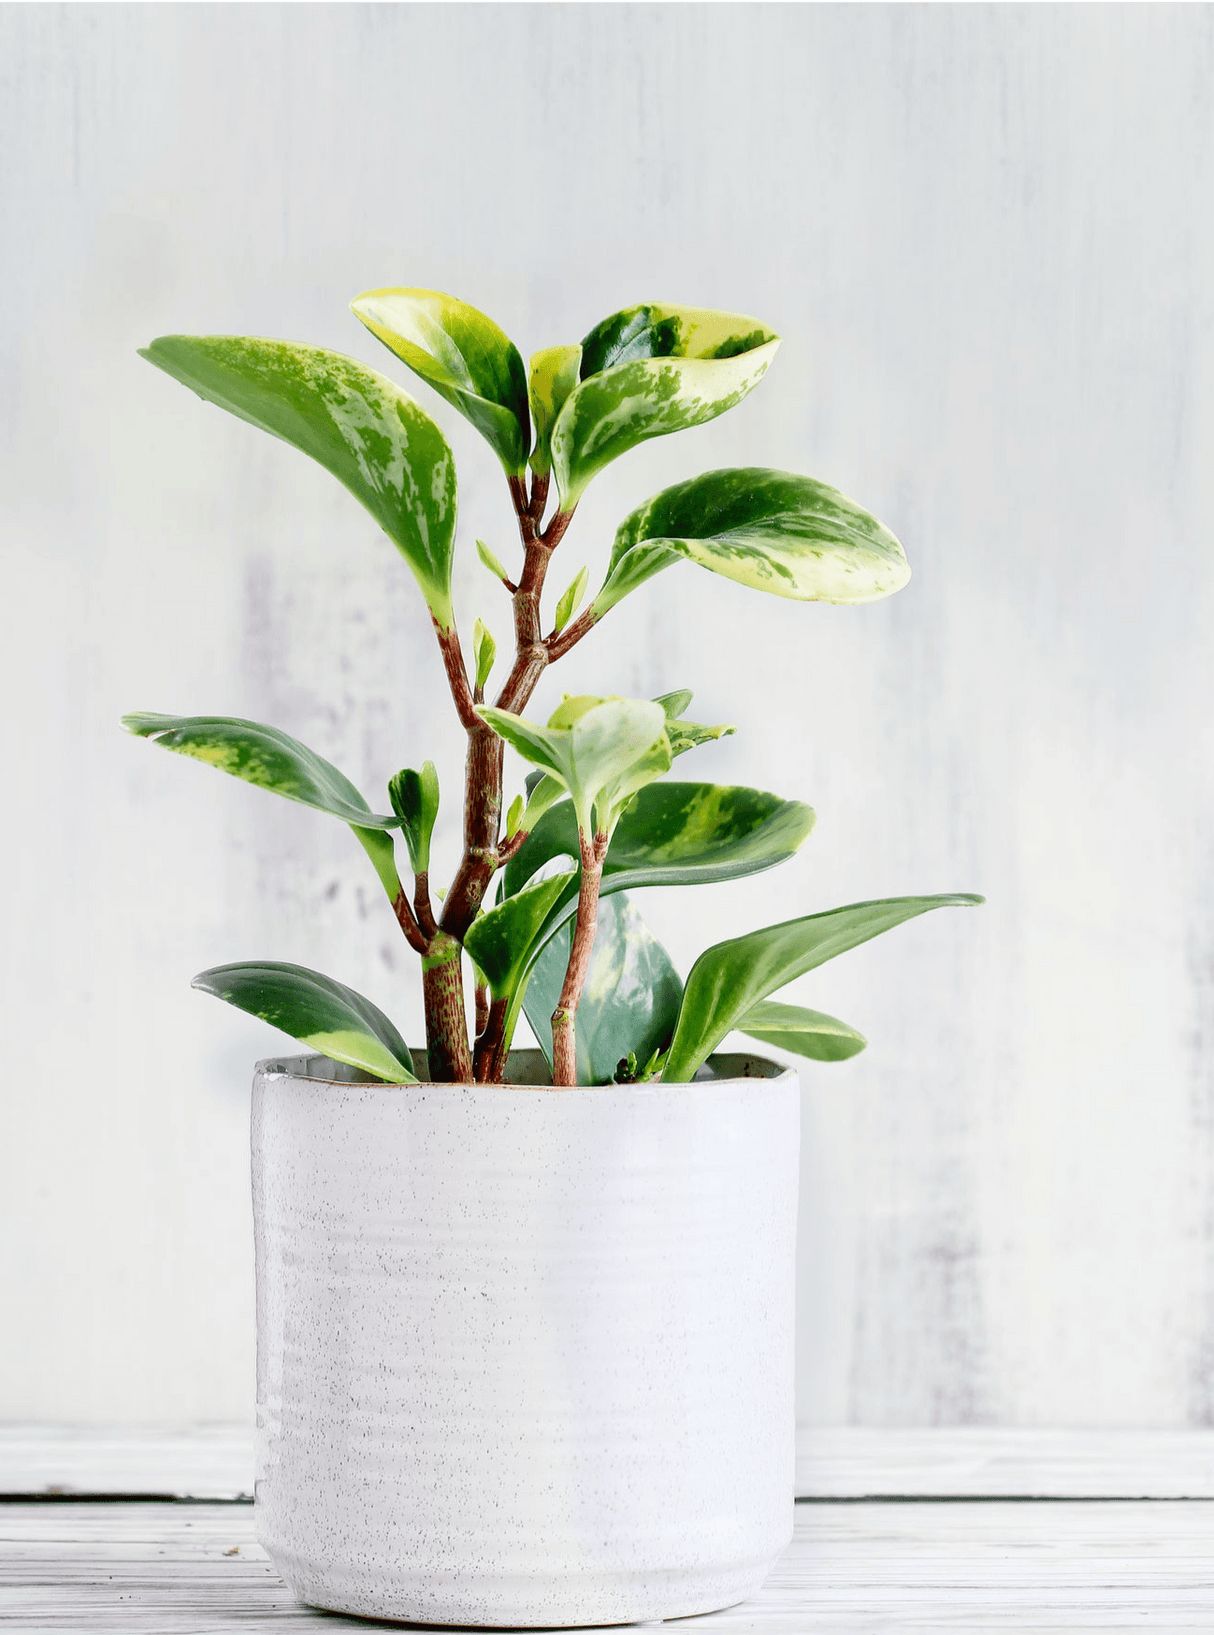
(768, 530)
(648, 371)
(599, 792)
(317, 1011)
(602, 750)
(464, 356)
(629, 1004)
(484, 651)
(730, 978)
(806, 1033)
(414, 797)
(372, 436)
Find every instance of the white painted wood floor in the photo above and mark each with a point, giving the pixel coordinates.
(1078, 1531)
(1045, 1566)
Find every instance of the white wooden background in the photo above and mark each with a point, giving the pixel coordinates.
(986, 234)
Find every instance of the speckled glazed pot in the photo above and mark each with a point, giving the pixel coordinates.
(524, 1356)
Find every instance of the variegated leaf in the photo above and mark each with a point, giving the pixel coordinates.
(630, 999)
(273, 760)
(648, 371)
(769, 530)
(464, 356)
(554, 374)
(415, 797)
(317, 1011)
(601, 749)
(729, 979)
(357, 424)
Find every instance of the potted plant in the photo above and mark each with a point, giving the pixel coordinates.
(524, 1319)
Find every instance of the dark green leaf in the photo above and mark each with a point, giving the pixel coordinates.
(317, 1011)
(503, 939)
(414, 797)
(729, 979)
(630, 1001)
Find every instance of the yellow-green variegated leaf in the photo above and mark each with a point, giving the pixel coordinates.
(356, 423)
(567, 605)
(601, 749)
(554, 374)
(808, 1033)
(731, 978)
(273, 760)
(650, 370)
(414, 797)
(484, 651)
(769, 530)
(317, 1011)
(465, 357)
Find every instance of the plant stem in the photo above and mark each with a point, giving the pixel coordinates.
(446, 1025)
(564, 1017)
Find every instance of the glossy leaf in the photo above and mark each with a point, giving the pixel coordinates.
(502, 940)
(554, 374)
(317, 1011)
(630, 1000)
(729, 979)
(769, 530)
(566, 607)
(804, 1032)
(263, 756)
(676, 834)
(484, 651)
(650, 370)
(465, 357)
(357, 424)
(513, 816)
(274, 760)
(600, 749)
(414, 797)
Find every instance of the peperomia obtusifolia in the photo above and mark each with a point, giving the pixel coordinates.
(558, 937)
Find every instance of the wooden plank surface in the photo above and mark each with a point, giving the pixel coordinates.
(180, 1569)
(849, 1462)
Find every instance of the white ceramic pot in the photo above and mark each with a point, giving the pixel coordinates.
(524, 1356)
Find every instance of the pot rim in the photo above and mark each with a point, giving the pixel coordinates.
(722, 1068)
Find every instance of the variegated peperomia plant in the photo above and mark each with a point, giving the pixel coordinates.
(559, 938)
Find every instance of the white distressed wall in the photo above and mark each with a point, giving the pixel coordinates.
(987, 234)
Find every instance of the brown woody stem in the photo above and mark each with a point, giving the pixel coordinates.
(421, 904)
(564, 1017)
(414, 935)
(446, 1025)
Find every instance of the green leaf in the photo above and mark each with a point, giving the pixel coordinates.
(675, 704)
(502, 940)
(769, 530)
(414, 797)
(357, 424)
(804, 1032)
(263, 756)
(630, 1001)
(676, 834)
(464, 356)
(567, 606)
(491, 562)
(275, 761)
(601, 749)
(484, 651)
(317, 1011)
(650, 370)
(513, 817)
(554, 374)
(729, 979)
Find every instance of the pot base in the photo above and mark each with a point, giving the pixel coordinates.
(599, 1600)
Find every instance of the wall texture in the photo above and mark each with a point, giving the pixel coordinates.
(987, 236)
